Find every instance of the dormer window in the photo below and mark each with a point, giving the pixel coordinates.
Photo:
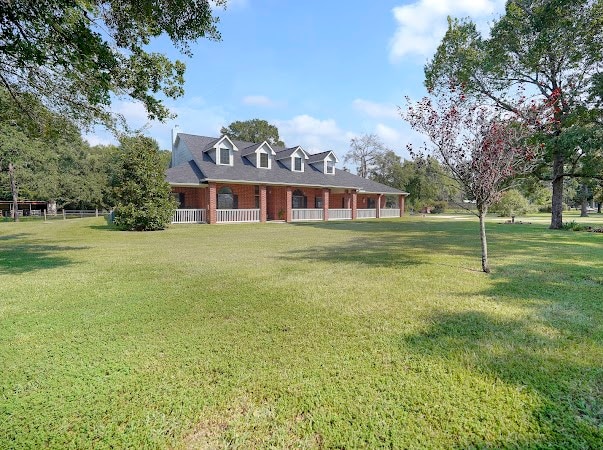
(224, 157)
(297, 164)
(264, 161)
(330, 166)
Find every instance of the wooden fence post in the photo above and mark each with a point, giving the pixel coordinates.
(64, 217)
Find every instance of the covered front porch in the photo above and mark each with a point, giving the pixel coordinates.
(241, 203)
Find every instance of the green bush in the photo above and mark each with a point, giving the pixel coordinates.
(144, 200)
(573, 226)
(512, 203)
(439, 207)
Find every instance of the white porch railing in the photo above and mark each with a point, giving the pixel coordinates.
(390, 212)
(237, 215)
(370, 213)
(306, 214)
(189, 216)
(340, 214)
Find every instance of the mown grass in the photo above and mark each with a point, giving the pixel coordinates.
(346, 335)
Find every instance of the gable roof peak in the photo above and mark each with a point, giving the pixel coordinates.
(221, 139)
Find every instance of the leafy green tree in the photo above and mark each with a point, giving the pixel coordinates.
(425, 179)
(512, 203)
(387, 169)
(144, 200)
(544, 52)
(75, 55)
(254, 130)
(29, 148)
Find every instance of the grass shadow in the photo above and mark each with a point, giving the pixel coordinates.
(571, 413)
(22, 258)
(10, 237)
(105, 227)
(375, 252)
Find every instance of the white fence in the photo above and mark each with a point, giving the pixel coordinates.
(237, 215)
(340, 214)
(370, 213)
(189, 216)
(390, 212)
(70, 213)
(306, 214)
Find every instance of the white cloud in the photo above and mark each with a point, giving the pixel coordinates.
(99, 137)
(378, 110)
(422, 24)
(193, 116)
(258, 100)
(391, 138)
(314, 135)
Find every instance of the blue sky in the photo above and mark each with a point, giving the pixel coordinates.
(321, 71)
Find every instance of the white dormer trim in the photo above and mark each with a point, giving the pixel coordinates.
(264, 149)
(222, 139)
(224, 143)
(302, 155)
(331, 157)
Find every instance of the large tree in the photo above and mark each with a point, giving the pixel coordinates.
(365, 151)
(30, 149)
(425, 179)
(144, 200)
(549, 51)
(254, 130)
(76, 55)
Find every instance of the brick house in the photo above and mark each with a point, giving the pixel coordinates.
(219, 180)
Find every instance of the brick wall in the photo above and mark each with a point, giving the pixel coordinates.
(338, 201)
(244, 192)
(194, 197)
(276, 199)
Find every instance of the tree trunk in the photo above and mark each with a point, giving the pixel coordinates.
(584, 201)
(584, 208)
(557, 201)
(14, 191)
(482, 235)
(599, 207)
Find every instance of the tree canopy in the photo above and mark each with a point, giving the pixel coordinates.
(144, 200)
(424, 178)
(548, 52)
(75, 55)
(365, 151)
(254, 130)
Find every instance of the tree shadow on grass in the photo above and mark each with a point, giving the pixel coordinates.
(22, 258)
(105, 227)
(571, 412)
(376, 252)
(10, 237)
(552, 347)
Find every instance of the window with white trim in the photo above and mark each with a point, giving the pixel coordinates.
(297, 164)
(264, 162)
(224, 156)
(330, 166)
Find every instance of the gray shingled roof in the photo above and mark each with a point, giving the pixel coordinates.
(283, 153)
(317, 157)
(202, 169)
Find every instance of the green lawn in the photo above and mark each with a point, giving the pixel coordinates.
(338, 335)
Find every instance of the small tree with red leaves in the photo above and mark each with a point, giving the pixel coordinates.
(483, 150)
